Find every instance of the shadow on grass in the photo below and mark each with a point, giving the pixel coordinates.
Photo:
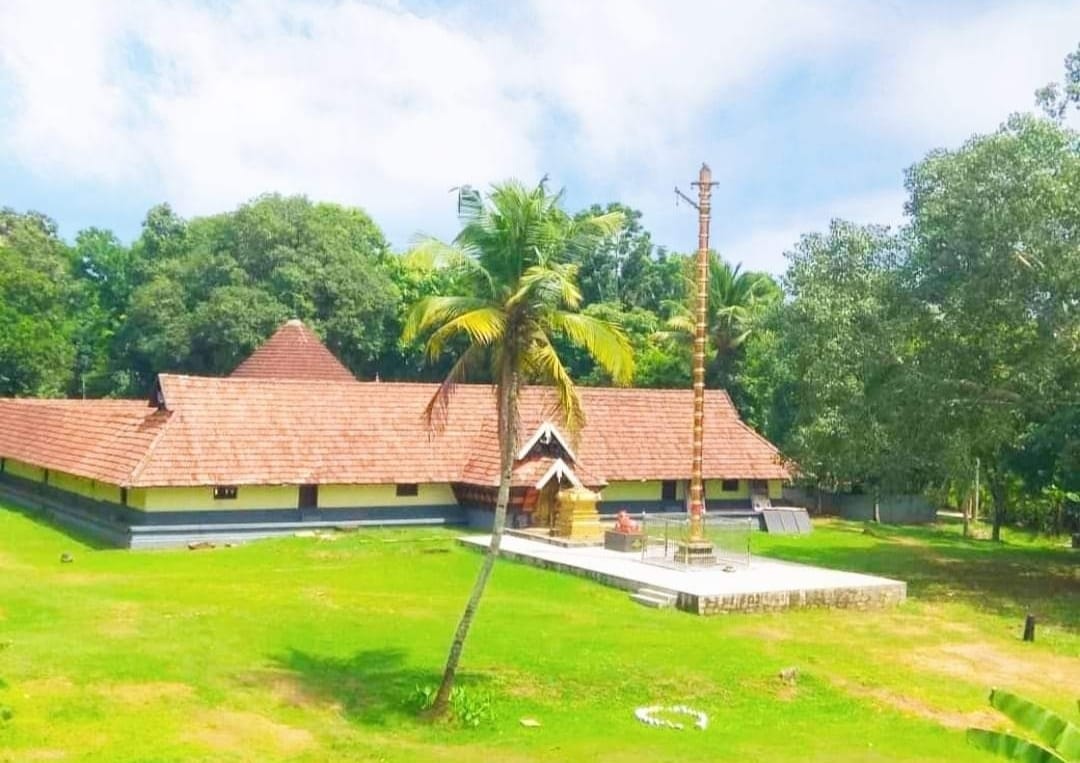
(373, 686)
(1003, 579)
(47, 517)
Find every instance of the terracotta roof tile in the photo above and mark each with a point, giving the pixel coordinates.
(293, 352)
(291, 414)
(98, 439)
(257, 431)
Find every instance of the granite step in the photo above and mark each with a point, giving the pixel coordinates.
(654, 597)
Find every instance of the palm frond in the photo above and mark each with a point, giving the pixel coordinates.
(599, 226)
(681, 323)
(431, 311)
(483, 326)
(550, 285)
(541, 361)
(604, 341)
(430, 253)
(437, 410)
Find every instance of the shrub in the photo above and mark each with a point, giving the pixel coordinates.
(470, 709)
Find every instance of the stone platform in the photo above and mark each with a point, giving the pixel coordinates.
(763, 585)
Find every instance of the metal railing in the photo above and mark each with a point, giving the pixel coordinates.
(667, 538)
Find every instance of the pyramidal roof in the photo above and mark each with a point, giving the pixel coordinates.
(293, 352)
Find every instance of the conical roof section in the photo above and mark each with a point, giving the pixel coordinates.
(293, 352)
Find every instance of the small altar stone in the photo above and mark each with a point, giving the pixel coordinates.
(625, 542)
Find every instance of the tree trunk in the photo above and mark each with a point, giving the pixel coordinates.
(508, 381)
(965, 508)
(997, 492)
(877, 504)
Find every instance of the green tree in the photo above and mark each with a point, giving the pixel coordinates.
(995, 274)
(37, 293)
(520, 293)
(656, 362)
(1055, 98)
(737, 300)
(626, 266)
(212, 289)
(844, 341)
(105, 277)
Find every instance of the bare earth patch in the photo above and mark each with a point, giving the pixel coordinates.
(121, 620)
(989, 665)
(912, 706)
(239, 732)
(26, 756)
(47, 687)
(151, 691)
(764, 632)
(9, 563)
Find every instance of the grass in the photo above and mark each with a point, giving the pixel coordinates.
(303, 649)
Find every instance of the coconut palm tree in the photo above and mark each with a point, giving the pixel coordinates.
(518, 291)
(734, 297)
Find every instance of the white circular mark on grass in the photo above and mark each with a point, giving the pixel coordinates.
(650, 716)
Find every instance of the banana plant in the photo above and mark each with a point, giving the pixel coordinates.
(1060, 737)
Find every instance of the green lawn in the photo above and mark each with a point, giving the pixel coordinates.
(302, 649)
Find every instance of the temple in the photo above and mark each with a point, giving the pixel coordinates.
(291, 440)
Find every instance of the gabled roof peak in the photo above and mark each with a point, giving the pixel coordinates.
(545, 433)
(293, 352)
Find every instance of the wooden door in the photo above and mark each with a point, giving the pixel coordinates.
(309, 497)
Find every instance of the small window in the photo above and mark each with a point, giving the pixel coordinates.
(667, 490)
(225, 493)
(407, 489)
(729, 486)
(123, 496)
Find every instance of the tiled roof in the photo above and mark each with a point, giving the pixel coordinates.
(98, 439)
(264, 426)
(258, 431)
(635, 434)
(293, 352)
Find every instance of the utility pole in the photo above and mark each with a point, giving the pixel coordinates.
(698, 550)
(975, 508)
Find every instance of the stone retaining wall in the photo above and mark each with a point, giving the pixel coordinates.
(869, 597)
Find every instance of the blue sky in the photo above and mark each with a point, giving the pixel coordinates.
(805, 110)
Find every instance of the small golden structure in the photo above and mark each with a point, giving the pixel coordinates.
(577, 516)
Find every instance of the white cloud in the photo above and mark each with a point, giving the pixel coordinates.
(360, 103)
(369, 103)
(365, 103)
(938, 82)
(764, 246)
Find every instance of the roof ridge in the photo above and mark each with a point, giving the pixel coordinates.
(144, 460)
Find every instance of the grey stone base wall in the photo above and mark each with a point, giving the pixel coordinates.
(864, 597)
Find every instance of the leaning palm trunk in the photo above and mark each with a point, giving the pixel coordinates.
(507, 440)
